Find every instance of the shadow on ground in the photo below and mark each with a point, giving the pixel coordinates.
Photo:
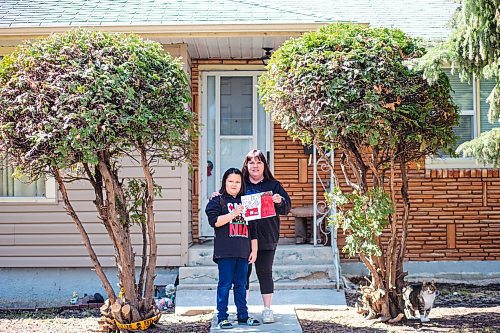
(463, 320)
(472, 321)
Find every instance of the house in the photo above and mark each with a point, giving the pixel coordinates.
(455, 216)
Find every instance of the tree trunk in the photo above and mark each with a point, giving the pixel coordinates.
(383, 298)
(144, 260)
(150, 223)
(126, 260)
(110, 202)
(86, 240)
(404, 232)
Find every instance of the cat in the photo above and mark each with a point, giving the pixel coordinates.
(419, 297)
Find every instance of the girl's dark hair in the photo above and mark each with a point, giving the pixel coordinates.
(228, 172)
(259, 155)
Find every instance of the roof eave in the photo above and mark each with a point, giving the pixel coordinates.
(173, 30)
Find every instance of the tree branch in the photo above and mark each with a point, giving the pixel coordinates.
(86, 240)
(96, 182)
(406, 212)
(124, 246)
(393, 240)
(346, 175)
(150, 275)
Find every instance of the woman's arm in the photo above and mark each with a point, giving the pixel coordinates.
(283, 204)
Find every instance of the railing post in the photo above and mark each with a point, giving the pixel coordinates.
(315, 202)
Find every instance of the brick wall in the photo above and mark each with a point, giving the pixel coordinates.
(195, 78)
(455, 214)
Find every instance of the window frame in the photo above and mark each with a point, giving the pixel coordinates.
(463, 162)
(51, 195)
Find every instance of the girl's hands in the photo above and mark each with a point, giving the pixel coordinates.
(238, 210)
(252, 257)
(277, 198)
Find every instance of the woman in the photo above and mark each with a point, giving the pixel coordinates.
(258, 178)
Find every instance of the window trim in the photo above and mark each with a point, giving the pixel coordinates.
(461, 162)
(51, 195)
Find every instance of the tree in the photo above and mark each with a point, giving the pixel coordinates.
(72, 106)
(347, 87)
(473, 49)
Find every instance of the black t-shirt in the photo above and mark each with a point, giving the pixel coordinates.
(233, 239)
(268, 229)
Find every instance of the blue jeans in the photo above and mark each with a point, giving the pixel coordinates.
(232, 272)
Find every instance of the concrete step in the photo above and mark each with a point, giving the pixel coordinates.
(289, 273)
(201, 255)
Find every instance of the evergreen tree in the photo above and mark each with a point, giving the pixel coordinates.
(473, 49)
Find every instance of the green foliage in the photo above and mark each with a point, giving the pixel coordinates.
(71, 95)
(362, 217)
(136, 194)
(473, 49)
(350, 83)
(351, 87)
(475, 40)
(484, 148)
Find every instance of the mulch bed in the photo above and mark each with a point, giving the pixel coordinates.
(85, 320)
(459, 308)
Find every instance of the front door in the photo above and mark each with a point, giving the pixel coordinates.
(234, 122)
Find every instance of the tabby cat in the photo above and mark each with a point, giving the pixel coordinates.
(419, 297)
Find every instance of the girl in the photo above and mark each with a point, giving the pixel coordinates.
(235, 246)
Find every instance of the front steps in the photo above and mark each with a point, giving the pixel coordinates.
(295, 267)
(303, 278)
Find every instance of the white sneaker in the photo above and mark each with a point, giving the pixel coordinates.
(267, 316)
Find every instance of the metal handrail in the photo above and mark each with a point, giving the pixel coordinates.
(332, 210)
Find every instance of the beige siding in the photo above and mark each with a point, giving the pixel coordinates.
(43, 235)
(181, 50)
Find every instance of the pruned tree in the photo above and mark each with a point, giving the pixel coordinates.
(347, 86)
(473, 49)
(72, 106)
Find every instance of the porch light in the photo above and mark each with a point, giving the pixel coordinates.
(267, 55)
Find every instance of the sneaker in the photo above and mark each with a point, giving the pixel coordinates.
(250, 321)
(225, 324)
(267, 316)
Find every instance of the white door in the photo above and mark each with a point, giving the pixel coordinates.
(234, 122)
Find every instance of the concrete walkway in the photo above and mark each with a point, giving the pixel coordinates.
(284, 304)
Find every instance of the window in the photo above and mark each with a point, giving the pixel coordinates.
(463, 94)
(470, 97)
(486, 86)
(12, 187)
(14, 190)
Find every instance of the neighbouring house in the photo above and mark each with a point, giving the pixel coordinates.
(455, 222)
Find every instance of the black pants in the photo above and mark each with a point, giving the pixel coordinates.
(264, 270)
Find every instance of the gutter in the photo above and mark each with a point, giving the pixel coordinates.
(172, 30)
